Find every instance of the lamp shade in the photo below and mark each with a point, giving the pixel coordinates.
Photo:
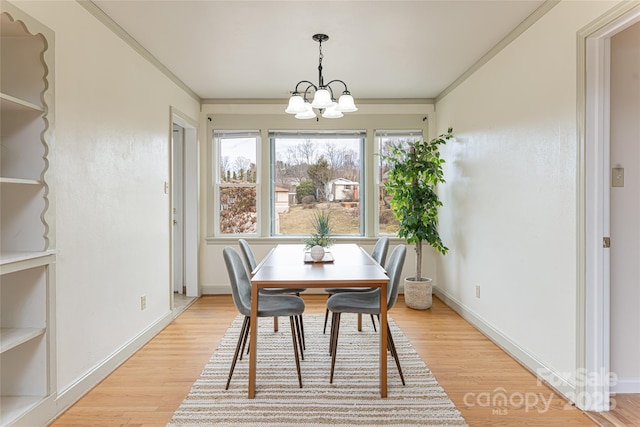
(322, 99)
(346, 104)
(332, 112)
(296, 105)
(307, 114)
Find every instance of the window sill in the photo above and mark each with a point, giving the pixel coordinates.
(361, 240)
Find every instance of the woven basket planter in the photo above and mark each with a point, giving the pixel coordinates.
(418, 294)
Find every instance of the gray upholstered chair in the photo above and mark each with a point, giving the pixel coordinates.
(379, 253)
(367, 303)
(250, 261)
(268, 306)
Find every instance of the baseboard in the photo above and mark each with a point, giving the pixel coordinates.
(544, 373)
(626, 387)
(216, 289)
(75, 391)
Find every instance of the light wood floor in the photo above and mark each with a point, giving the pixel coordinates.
(625, 412)
(148, 388)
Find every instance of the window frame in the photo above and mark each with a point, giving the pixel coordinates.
(217, 184)
(360, 135)
(266, 117)
(378, 134)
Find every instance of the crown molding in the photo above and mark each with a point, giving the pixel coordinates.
(389, 106)
(521, 28)
(278, 101)
(98, 13)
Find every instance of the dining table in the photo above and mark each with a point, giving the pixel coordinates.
(344, 265)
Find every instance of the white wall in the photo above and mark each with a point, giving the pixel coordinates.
(510, 212)
(112, 131)
(625, 210)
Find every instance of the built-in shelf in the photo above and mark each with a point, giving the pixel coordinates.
(14, 406)
(16, 261)
(27, 222)
(13, 337)
(20, 181)
(11, 103)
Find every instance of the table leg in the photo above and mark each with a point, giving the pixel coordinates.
(253, 342)
(383, 340)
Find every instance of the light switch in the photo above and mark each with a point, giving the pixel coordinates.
(617, 177)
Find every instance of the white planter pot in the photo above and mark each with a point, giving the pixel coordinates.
(317, 253)
(418, 293)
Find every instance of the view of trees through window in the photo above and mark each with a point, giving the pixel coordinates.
(236, 181)
(387, 222)
(317, 171)
(310, 171)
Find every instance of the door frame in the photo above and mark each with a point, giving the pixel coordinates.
(190, 181)
(177, 185)
(593, 377)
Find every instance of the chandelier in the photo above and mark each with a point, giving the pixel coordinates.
(323, 98)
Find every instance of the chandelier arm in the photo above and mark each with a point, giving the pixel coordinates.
(343, 83)
(311, 85)
(304, 81)
(330, 91)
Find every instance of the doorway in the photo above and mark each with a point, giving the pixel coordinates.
(177, 210)
(184, 211)
(602, 262)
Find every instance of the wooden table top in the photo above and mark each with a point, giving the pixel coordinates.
(285, 266)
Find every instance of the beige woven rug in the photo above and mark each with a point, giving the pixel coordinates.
(352, 400)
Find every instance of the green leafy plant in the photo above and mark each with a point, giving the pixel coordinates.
(321, 222)
(415, 171)
(305, 188)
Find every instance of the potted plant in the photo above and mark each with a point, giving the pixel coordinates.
(319, 240)
(415, 171)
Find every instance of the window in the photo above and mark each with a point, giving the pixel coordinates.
(317, 170)
(387, 222)
(236, 180)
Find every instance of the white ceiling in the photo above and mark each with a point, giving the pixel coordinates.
(261, 49)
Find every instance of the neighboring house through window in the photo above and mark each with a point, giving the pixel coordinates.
(319, 171)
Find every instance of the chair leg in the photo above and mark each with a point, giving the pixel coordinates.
(243, 331)
(275, 323)
(332, 333)
(374, 323)
(326, 316)
(335, 320)
(296, 321)
(244, 342)
(394, 352)
(304, 346)
(295, 349)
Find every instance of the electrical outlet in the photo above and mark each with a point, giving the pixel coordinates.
(477, 291)
(617, 177)
(143, 302)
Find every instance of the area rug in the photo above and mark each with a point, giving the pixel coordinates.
(352, 400)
